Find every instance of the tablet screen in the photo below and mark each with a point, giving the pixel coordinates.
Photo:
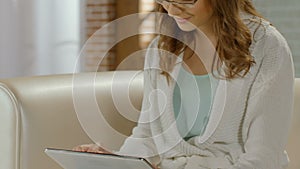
(84, 160)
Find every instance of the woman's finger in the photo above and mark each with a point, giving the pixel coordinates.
(93, 148)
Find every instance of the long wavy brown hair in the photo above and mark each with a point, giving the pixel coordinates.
(234, 38)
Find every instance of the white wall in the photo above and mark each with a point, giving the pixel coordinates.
(38, 37)
(9, 36)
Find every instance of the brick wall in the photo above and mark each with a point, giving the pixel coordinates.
(284, 14)
(148, 25)
(96, 14)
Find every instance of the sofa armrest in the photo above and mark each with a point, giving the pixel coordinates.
(39, 112)
(10, 128)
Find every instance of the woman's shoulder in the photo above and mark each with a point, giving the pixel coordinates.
(270, 48)
(264, 32)
(152, 54)
(265, 37)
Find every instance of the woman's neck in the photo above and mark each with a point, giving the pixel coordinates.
(200, 60)
(207, 29)
(210, 35)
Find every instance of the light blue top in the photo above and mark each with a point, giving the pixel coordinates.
(192, 100)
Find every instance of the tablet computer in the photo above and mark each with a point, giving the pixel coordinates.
(69, 159)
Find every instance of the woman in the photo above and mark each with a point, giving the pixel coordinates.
(245, 88)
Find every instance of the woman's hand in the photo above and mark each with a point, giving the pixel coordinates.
(92, 148)
(155, 166)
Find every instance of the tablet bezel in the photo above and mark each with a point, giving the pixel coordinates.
(55, 150)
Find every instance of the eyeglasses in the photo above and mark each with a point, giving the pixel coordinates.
(182, 4)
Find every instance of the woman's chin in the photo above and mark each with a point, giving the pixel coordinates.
(187, 27)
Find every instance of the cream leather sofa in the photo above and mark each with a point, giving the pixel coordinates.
(39, 112)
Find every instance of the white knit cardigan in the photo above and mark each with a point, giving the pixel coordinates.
(249, 121)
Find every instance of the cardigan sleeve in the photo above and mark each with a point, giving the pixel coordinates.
(140, 143)
(269, 111)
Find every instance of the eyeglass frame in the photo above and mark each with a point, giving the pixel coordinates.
(189, 4)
